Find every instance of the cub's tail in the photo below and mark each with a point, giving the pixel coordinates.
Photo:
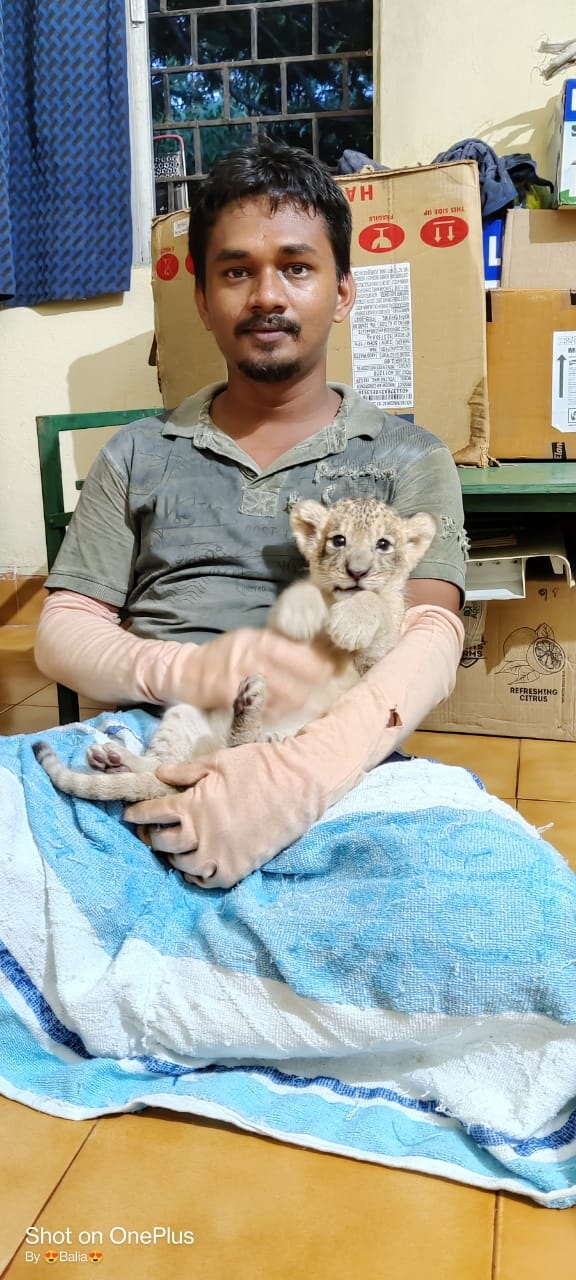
(99, 786)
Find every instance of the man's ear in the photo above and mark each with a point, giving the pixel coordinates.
(202, 305)
(307, 522)
(346, 297)
(420, 531)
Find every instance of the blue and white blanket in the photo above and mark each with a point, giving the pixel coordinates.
(398, 986)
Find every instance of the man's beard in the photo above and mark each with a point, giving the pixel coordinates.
(265, 371)
(265, 368)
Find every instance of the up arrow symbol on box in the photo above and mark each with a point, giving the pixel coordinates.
(561, 363)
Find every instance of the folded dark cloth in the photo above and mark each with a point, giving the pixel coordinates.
(354, 161)
(497, 190)
(530, 187)
(504, 180)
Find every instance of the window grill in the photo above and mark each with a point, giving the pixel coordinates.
(222, 74)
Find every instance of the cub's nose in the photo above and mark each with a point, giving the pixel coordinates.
(356, 573)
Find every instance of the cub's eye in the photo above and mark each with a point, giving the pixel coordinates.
(383, 544)
(338, 540)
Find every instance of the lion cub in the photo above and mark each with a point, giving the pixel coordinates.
(360, 553)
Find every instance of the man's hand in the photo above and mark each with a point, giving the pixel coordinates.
(237, 813)
(292, 669)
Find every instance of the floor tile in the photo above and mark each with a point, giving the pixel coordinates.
(532, 1242)
(495, 760)
(562, 834)
(31, 597)
(35, 1151)
(18, 681)
(29, 718)
(48, 697)
(547, 770)
(259, 1208)
(16, 640)
(8, 601)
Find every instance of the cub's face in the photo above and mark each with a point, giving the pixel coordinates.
(359, 544)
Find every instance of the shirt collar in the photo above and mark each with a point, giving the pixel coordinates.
(355, 417)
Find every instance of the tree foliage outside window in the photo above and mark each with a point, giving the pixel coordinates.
(224, 73)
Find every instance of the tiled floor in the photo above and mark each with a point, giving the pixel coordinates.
(261, 1210)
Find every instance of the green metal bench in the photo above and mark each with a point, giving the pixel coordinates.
(56, 516)
(526, 487)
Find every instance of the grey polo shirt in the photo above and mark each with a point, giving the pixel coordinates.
(188, 537)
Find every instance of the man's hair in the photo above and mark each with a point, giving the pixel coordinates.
(284, 175)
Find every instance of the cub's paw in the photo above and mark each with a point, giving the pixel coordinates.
(300, 612)
(353, 623)
(251, 696)
(108, 757)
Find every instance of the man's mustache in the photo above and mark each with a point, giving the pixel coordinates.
(272, 324)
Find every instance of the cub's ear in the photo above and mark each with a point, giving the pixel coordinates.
(420, 531)
(308, 520)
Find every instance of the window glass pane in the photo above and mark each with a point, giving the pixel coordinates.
(224, 37)
(314, 86)
(324, 81)
(344, 26)
(220, 139)
(170, 42)
(255, 93)
(296, 133)
(285, 32)
(161, 198)
(342, 134)
(158, 107)
(196, 95)
(188, 4)
(360, 84)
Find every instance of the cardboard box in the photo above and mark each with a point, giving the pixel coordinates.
(416, 344)
(539, 250)
(562, 155)
(532, 374)
(517, 677)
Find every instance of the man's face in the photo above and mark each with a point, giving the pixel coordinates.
(272, 291)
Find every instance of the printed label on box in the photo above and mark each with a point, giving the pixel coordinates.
(381, 330)
(564, 381)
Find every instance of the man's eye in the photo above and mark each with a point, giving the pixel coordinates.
(338, 540)
(297, 269)
(236, 273)
(383, 544)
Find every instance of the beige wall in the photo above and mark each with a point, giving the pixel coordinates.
(453, 69)
(447, 69)
(63, 358)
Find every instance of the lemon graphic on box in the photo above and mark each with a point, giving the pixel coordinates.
(530, 653)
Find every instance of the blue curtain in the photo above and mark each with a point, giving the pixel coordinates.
(65, 218)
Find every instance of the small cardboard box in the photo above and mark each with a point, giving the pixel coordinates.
(539, 250)
(416, 342)
(562, 154)
(532, 374)
(517, 676)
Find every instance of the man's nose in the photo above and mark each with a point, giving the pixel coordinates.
(268, 292)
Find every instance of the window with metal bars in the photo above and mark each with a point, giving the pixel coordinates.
(222, 74)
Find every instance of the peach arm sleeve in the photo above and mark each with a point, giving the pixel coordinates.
(80, 643)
